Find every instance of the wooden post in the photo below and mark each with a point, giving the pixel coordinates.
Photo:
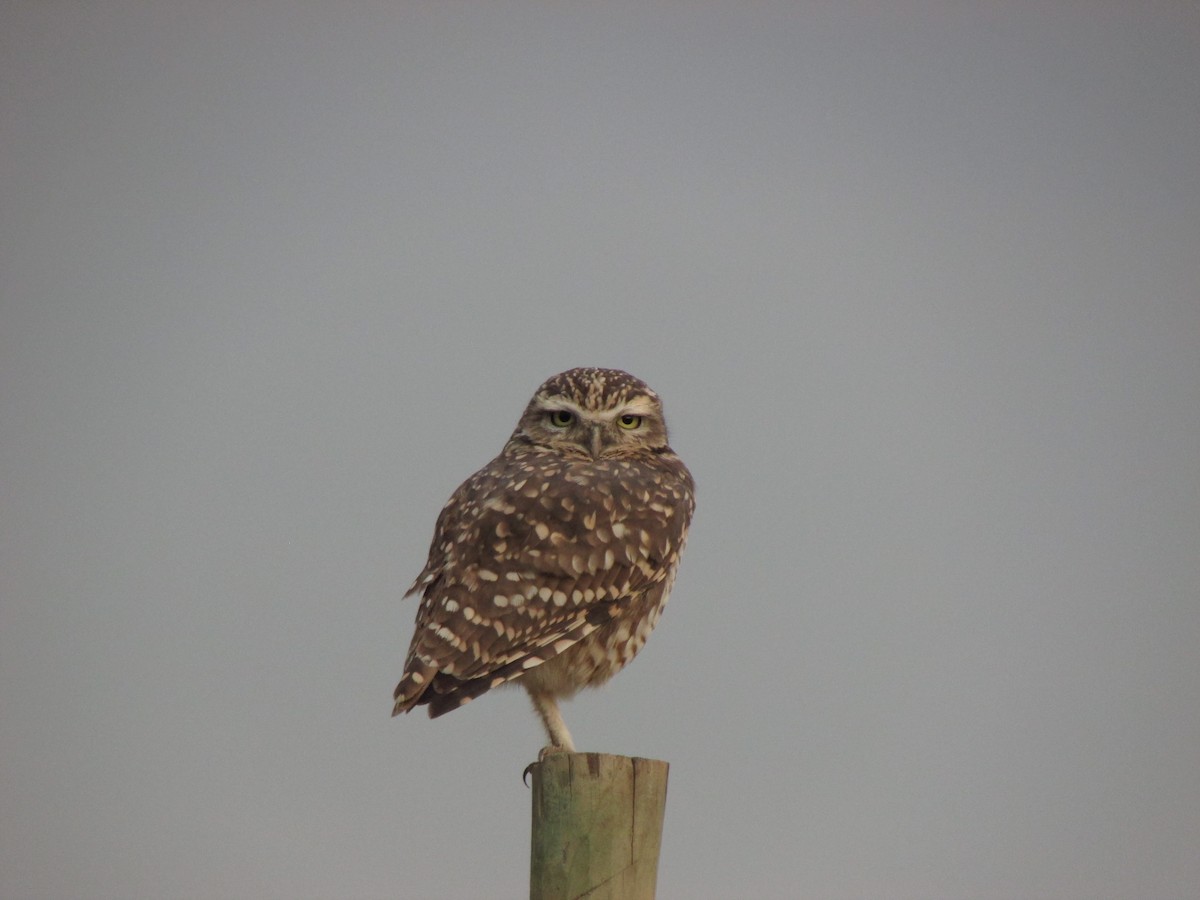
(597, 826)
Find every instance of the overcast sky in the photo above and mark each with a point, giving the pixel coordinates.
(919, 285)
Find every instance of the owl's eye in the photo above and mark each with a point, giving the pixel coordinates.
(629, 422)
(561, 418)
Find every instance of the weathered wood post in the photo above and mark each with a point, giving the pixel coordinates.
(597, 826)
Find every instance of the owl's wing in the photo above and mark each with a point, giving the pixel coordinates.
(528, 559)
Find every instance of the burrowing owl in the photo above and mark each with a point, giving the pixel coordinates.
(552, 563)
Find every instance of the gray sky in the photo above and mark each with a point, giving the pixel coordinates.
(919, 285)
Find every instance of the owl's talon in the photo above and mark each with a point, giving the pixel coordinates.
(548, 750)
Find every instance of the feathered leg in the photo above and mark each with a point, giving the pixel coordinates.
(556, 728)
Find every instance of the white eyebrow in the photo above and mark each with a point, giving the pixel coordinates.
(638, 406)
(549, 404)
(635, 406)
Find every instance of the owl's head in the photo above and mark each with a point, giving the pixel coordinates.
(594, 414)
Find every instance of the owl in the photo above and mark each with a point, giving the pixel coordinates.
(551, 565)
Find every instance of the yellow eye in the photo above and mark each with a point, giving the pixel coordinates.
(629, 422)
(561, 418)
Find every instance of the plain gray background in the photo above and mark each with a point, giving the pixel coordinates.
(918, 283)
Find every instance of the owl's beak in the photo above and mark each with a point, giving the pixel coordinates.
(596, 443)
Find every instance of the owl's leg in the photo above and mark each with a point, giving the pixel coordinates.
(556, 728)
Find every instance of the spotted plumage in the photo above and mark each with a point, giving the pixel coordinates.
(551, 564)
